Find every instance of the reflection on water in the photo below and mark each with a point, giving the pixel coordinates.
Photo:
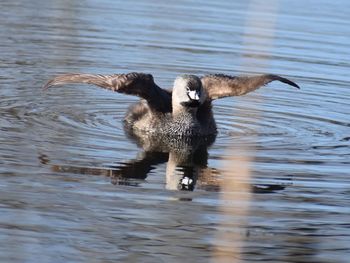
(53, 207)
(186, 162)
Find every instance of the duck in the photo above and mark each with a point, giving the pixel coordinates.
(185, 110)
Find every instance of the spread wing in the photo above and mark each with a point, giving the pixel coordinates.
(138, 84)
(220, 86)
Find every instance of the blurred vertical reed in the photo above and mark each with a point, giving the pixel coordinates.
(236, 195)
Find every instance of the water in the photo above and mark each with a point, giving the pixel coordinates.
(67, 188)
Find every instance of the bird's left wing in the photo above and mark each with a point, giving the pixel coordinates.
(220, 86)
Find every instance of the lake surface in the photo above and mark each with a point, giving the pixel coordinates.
(273, 187)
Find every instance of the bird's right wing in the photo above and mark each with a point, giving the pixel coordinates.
(138, 84)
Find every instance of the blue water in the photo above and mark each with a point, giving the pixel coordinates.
(62, 196)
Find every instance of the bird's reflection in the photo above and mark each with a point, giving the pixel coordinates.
(186, 164)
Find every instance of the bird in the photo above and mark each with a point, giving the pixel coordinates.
(184, 111)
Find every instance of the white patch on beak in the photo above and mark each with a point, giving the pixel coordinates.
(193, 95)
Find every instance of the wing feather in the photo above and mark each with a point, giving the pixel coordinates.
(220, 86)
(138, 84)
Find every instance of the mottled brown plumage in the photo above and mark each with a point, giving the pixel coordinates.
(184, 111)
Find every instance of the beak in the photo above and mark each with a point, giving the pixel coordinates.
(193, 95)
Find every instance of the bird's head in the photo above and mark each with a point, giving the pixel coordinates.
(188, 92)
